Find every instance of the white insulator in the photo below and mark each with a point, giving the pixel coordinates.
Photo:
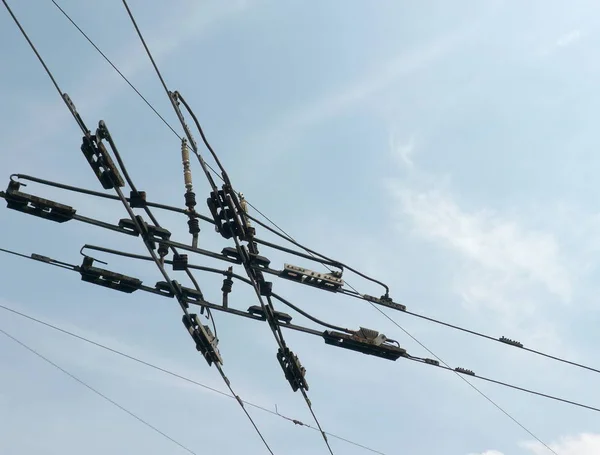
(185, 159)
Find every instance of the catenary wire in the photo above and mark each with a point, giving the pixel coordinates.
(57, 85)
(176, 375)
(215, 271)
(128, 208)
(357, 295)
(286, 236)
(96, 391)
(277, 331)
(445, 367)
(114, 67)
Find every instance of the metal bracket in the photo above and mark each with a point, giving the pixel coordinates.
(36, 206)
(293, 369)
(279, 316)
(99, 159)
(366, 341)
(328, 281)
(206, 343)
(106, 278)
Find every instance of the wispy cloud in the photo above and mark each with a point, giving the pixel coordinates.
(374, 81)
(488, 239)
(569, 38)
(581, 444)
(403, 151)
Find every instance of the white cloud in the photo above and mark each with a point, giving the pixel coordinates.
(492, 242)
(582, 444)
(403, 151)
(501, 266)
(569, 38)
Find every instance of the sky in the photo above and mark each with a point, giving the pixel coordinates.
(447, 148)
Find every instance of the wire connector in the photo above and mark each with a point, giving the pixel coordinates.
(150, 233)
(367, 341)
(180, 262)
(137, 199)
(255, 260)
(292, 368)
(511, 342)
(106, 278)
(279, 316)
(230, 220)
(36, 206)
(384, 301)
(464, 371)
(328, 281)
(206, 343)
(100, 161)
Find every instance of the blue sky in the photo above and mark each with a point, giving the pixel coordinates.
(445, 147)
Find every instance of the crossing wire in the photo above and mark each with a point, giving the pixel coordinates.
(277, 330)
(96, 391)
(176, 375)
(357, 295)
(287, 236)
(130, 211)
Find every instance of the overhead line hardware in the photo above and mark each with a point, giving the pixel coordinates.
(286, 357)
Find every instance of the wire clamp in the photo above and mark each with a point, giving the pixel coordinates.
(206, 343)
(107, 278)
(366, 341)
(292, 368)
(36, 206)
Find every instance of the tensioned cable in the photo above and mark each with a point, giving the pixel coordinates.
(176, 375)
(461, 371)
(211, 270)
(129, 210)
(148, 53)
(286, 236)
(96, 391)
(276, 330)
(358, 295)
(473, 386)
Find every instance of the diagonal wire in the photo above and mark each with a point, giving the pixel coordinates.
(85, 35)
(100, 394)
(473, 386)
(176, 375)
(277, 331)
(115, 68)
(258, 211)
(120, 194)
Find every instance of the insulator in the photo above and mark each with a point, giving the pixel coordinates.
(163, 249)
(194, 226)
(185, 159)
(190, 199)
(227, 285)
